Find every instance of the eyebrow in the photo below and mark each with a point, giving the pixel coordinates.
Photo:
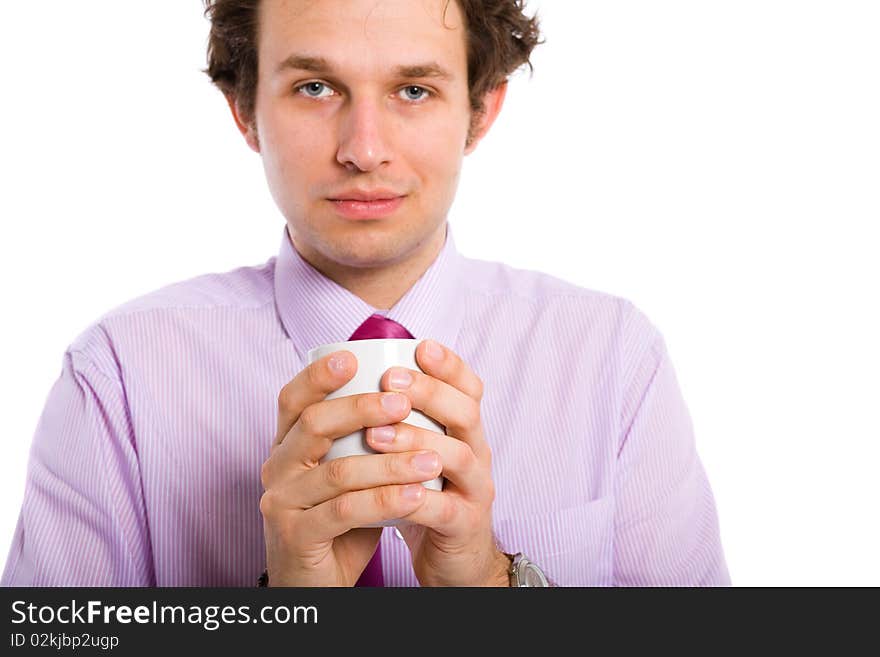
(322, 65)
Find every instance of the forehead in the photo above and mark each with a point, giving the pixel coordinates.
(363, 36)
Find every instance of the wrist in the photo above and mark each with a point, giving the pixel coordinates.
(500, 570)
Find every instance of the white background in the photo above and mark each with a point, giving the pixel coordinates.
(717, 163)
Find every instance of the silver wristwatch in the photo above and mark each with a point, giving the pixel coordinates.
(525, 573)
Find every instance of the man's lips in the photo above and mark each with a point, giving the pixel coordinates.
(367, 209)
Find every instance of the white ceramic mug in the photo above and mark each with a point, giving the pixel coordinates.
(374, 357)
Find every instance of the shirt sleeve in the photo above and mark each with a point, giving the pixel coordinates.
(83, 520)
(666, 525)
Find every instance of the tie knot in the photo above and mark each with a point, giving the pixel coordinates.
(376, 326)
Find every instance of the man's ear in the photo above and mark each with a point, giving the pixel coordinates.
(248, 129)
(492, 102)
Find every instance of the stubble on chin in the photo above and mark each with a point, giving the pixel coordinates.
(372, 245)
(361, 249)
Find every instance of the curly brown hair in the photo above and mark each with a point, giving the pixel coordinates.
(500, 39)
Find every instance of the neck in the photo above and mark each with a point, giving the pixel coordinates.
(381, 286)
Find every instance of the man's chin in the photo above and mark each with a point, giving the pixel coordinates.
(367, 245)
(331, 239)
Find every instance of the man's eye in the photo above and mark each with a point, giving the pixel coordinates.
(313, 89)
(415, 93)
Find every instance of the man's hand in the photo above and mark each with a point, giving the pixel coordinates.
(450, 534)
(314, 514)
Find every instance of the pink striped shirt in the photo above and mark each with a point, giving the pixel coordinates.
(145, 465)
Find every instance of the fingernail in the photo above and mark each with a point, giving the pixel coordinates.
(425, 462)
(433, 350)
(382, 434)
(337, 363)
(400, 379)
(413, 491)
(393, 402)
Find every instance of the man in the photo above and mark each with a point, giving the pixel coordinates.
(182, 444)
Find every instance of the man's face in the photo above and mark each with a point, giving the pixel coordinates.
(359, 97)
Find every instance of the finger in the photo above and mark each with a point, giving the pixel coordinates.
(459, 463)
(448, 366)
(358, 509)
(309, 440)
(445, 513)
(353, 473)
(458, 412)
(311, 385)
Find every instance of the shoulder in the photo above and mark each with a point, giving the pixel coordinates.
(499, 284)
(605, 331)
(242, 289)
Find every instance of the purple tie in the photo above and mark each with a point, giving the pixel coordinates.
(377, 326)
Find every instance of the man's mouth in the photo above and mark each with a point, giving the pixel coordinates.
(371, 208)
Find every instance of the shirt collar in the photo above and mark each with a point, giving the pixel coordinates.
(315, 310)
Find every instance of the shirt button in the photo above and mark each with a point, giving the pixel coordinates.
(398, 534)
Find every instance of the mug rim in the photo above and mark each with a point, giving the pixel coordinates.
(338, 346)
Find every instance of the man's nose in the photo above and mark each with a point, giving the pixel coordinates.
(363, 138)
